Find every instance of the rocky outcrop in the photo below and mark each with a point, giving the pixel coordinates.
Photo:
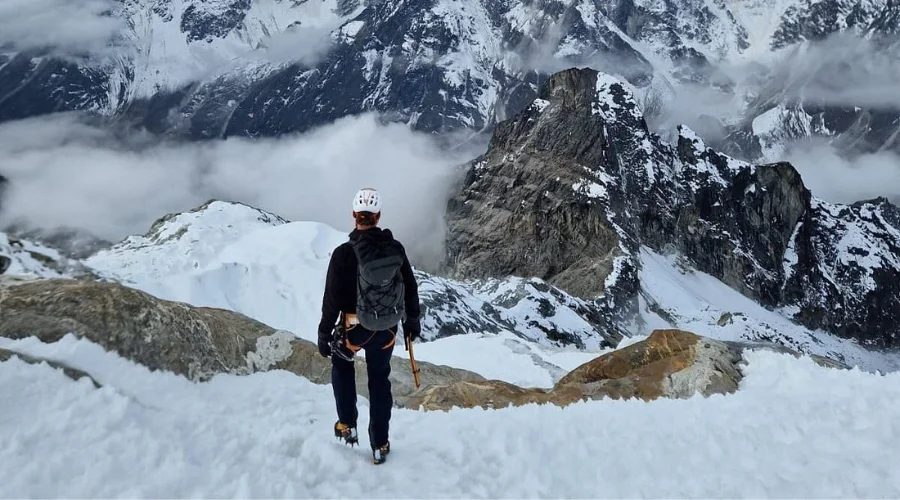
(527, 209)
(196, 342)
(668, 364)
(570, 189)
(199, 343)
(192, 341)
(306, 362)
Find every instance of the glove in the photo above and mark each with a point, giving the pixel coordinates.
(412, 329)
(325, 344)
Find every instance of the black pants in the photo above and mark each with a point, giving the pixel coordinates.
(379, 347)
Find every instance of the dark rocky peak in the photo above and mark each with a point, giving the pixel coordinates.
(571, 189)
(535, 204)
(209, 20)
(816, 20)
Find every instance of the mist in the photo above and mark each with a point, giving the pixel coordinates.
(64, 173)
(837, 179)
(845, 70)
(64, 27)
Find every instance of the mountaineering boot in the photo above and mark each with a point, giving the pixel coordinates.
(345, 432)
(379, 455)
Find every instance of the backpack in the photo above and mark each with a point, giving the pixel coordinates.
(379, 286)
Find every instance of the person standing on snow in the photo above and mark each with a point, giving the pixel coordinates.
(370, 288)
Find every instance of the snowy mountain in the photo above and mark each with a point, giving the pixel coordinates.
(240, 258)
(841, 60)
(268, 67)
(575, 190)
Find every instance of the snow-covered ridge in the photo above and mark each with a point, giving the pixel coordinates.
(237, 257)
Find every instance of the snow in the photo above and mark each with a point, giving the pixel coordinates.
(591, 189)
(352, 28)
(236, 257)
(164, 57)
(606, 105)
(760, 19)
(540, 104)
(503, 357)
(180, 243)
(860, 239)
(699, 302)
(794, 429)
(768, 122)
(689, 134)
(29, 259)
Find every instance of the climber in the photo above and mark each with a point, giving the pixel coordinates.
(370, 291)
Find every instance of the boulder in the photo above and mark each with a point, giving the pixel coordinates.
(669, 363)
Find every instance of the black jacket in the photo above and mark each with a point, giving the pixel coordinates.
(340, 283)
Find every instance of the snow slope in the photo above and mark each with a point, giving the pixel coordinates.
(793, 430)
(236, 257)
(698, 302)
(29, 259)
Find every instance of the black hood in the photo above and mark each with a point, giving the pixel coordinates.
(376, 234)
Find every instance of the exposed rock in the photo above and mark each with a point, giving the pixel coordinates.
(669, 363)
(192, 341)
(73, 373)
(570, 188)
(306, 362)
(486, 394)
(196, 342)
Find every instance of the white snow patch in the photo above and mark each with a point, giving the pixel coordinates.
(794, 429)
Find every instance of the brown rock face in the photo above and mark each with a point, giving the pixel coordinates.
(161, 335)
(670, 363)
(195, 342)
(306, 362)
(518, 213)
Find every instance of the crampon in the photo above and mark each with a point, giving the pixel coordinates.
(345, 432)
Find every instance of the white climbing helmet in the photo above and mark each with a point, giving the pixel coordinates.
(367, 200)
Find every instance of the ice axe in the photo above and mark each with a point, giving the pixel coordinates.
(412, 360)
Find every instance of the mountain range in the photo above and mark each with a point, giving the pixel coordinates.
(577, 227)
(749, 77)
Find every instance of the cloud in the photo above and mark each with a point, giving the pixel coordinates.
(834, 178)
(845, 70)
(296, 44)
(65, 27)
(63, 173)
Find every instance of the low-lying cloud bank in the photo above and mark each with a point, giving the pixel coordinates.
(837, 179)
(62, 27)
(65, 173)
